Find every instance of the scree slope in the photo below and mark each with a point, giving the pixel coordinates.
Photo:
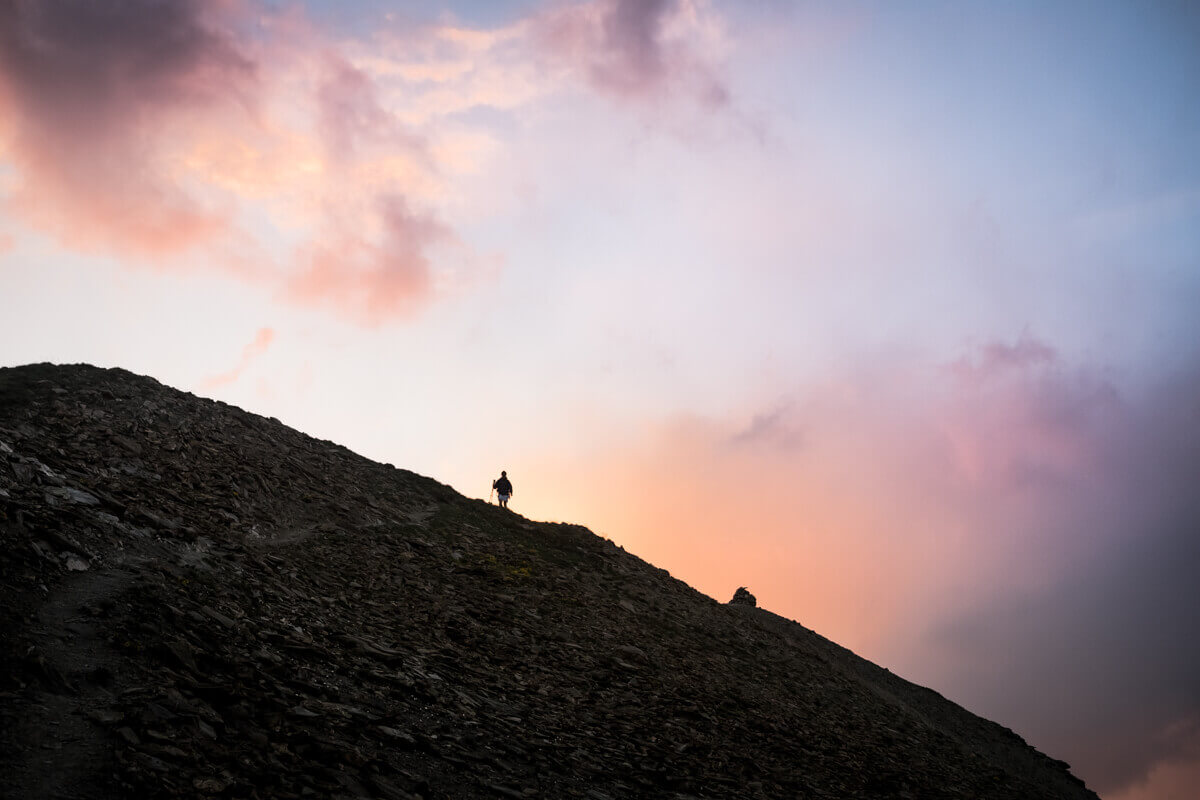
(196, 601)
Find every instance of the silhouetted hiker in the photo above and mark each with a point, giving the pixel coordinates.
(503, 487)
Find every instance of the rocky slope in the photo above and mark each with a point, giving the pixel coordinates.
(197, 602)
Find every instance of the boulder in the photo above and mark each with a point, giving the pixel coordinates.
(742, 597)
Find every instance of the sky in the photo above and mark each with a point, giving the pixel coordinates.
(887, 311)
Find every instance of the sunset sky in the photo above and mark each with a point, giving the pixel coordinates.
(888, 311)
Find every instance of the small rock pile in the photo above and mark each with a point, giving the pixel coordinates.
(200, 602)
(742, 597)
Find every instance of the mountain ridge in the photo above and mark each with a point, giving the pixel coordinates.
(204, 602)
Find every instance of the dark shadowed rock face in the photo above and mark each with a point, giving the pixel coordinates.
(200, 602)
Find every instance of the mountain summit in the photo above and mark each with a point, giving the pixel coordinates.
(201, 602)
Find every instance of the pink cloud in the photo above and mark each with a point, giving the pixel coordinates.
(375, 267)
(631, 56)
(635, 48)
(91, 90)
(1116, 536)
(235, 136)
(262, 340)
(1030, 422)
(145, 129)
(351, 116)
(1169, 779)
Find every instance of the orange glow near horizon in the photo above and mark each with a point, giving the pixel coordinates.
(811, 545)
(854, 519)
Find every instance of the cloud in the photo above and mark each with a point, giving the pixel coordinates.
(262, 340)
(351, 118)
(92, 90)
(997, 357)
(771, 427)
(639, 48)
(628, 56)
(1015, 530)
(1102, 660)
(167, 131)
(239, 136)
(375, 266)
(631, 51)
(1168, 780)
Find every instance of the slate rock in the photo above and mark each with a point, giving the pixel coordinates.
(280, 617)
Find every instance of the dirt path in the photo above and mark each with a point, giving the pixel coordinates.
(64, 754)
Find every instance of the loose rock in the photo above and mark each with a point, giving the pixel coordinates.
(262, 614)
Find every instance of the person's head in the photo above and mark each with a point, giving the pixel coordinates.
(503, 473)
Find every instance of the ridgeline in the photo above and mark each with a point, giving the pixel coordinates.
(196, 601)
